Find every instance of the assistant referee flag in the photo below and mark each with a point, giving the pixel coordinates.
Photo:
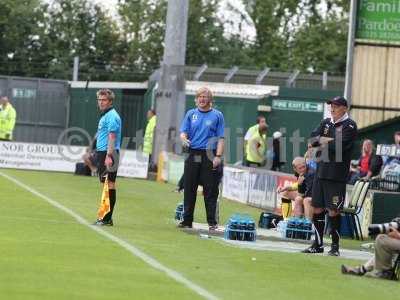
(105, 201)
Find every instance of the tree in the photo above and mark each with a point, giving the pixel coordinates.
(41, 38)
(274, 20)
(143, 24)
(205, 40)
(320, 43)
(79, 28)
(321, 47)
(309, 35)
(21, 25)
(144, 29)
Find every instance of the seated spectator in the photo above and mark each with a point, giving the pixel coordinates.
(387, 247)
(288, 194)
(300, 192)
(369, 164)
(396, 141)
(391, 165)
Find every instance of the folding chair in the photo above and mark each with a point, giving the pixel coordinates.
(355, 194)
(355, 204)
(396, 268)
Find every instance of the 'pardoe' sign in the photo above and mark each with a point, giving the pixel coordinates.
(378, 21)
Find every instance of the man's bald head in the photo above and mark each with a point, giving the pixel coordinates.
(4, 100)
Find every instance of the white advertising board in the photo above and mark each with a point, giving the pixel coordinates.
(133, 164)
(236, 184)
(49, 157)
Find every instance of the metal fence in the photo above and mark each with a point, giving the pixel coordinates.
(391, 183)
(42, 107)
(293, 79)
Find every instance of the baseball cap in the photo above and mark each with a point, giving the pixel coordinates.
(338, 100)
(277, 135)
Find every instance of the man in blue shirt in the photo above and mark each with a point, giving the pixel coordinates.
(107, 148)
(202, 131)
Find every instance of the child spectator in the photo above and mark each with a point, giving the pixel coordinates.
(300, 192)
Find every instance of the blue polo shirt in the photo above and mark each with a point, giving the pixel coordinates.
(109, 122)
(203, 128)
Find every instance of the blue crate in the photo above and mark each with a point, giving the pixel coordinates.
(240, 227)
(297, 228)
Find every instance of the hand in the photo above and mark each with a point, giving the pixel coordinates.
(281, 189)
(108, 162)
(216, 161)
(185, 141)
(325, 139)
(394, 233)
(300, 179)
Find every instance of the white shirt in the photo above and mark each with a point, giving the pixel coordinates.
(344, 117)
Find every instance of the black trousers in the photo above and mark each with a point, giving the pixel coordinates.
(181, 182)
(199, 168)
(251, 164)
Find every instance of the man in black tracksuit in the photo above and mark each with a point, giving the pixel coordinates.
(334, 138)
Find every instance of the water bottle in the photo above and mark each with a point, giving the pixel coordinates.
(251, 227)
(308, 227)
(289, 228)
(232, 227)
(242, 227)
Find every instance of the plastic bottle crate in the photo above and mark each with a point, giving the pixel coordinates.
(296, 228)
(241, 228)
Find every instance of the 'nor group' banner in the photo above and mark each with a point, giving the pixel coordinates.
(49, 157)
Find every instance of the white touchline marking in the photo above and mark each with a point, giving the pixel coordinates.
(130, 247)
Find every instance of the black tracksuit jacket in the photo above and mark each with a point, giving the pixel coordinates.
(335, 158)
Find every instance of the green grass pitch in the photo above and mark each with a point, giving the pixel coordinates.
(47, 254)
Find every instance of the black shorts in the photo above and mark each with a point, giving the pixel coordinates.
(328, 194)
(101, 168)
(305, 189)
(308, 193)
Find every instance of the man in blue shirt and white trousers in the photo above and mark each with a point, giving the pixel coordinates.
(202, 132)
(107, 149)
